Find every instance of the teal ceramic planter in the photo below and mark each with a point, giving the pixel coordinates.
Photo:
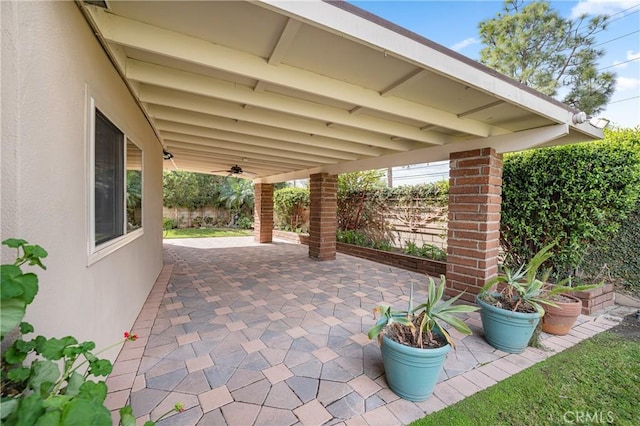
(507, 330)
(412, 373)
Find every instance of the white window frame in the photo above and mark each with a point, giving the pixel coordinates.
(95, 251)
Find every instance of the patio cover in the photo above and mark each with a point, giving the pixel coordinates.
(289, 89)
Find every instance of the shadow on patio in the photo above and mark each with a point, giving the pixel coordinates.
(243, 334)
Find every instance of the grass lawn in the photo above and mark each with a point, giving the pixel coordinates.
(595, 382)
(206, 232)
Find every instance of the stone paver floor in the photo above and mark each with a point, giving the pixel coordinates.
(248, 334)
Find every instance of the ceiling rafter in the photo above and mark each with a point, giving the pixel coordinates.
(161, 112)
(236, 156)
(191, 102)
(286, 38)
(480, 108)
(230, 141)
(403, 82)
(249, 140)
(183, 81)
(128, 32)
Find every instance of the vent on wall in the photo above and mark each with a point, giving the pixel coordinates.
(99, 3)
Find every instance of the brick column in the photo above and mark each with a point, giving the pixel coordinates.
(263, 217)
(323, 221)
(475, 188)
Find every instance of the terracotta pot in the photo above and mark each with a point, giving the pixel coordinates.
(559, 320)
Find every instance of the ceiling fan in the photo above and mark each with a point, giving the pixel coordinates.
(234, 170)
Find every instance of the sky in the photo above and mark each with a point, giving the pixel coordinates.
(454, 24)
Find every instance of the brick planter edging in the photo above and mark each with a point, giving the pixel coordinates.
(596, 299)
(433, 268)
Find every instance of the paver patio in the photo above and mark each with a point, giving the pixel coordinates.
(244, 333)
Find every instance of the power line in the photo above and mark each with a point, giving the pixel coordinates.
(624, 100)
(617, 38)
(619, 63)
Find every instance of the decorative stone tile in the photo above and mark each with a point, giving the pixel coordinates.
(289, 296)
(253, 345)
(347, 407)
(336, 300)
(325, 354)
(304, 387)
(361, 312)
(185, 339)
(199, 363)
(212, 299)
(223, 311)
(236, 326)
(381, 416)
(240, 413)
(277, 373)
(281, 396)
(332, 321)
(258, 303)
(308, 307)
(275, 316)
(297, 332)
(215, 398)
(364, 386)
(174, 306)
(312, 413)
(270, 416)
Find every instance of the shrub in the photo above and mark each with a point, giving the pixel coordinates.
(576, 196)
(290, 206)
(244, 223)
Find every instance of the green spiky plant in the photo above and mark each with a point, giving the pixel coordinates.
(419, 327)
(526, 291)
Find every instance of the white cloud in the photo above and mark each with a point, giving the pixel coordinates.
(631, 55)
(464, 43)
(599, 7)
(626, 83)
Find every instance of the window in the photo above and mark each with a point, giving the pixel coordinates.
(109, 176)
(117, 186)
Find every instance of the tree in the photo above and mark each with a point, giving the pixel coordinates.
(237, 193)
(536, 46)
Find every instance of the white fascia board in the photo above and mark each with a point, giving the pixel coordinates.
(344, 23)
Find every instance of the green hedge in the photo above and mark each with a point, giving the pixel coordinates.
(576, 195)
(289, 206)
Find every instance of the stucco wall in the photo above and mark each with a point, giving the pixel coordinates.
(49, 59)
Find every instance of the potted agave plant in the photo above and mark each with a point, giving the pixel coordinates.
(414, 343)
(511, 314)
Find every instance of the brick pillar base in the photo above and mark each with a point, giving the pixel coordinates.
(475, 188)
(263, 217)
(323, 221)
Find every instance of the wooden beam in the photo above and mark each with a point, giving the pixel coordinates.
(404, 81)
(157, 75)
(139, 35)
(285, 138)
(285, 40)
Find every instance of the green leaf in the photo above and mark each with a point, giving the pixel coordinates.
(126, 416)
(101, 367)
(29, 410)
(43, 375)
(84, 412)
(8, 406)
(53, 348)
(50, 418)
(74, 382)
(93, 391)
(14, 355)
(19, 375)
(11, 313)
(14, 242)
(26, 328)
(56, 402)
(11, 287)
